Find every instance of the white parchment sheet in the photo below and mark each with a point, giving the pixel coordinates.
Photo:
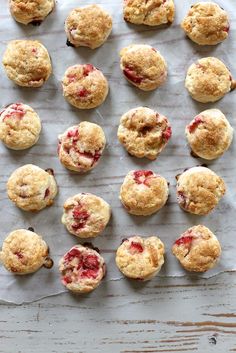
(171, 100)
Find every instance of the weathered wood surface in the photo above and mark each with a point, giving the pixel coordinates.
(173, 315)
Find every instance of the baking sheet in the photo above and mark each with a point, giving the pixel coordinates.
(171, 100)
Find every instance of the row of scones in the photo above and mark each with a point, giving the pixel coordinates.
(142, 193)
(85, 86)
(82, 268)
(205, 24)
(143, 132)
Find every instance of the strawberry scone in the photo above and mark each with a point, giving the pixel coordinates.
(197, 249)
(199, 190)
(209, 80)
(149, 12)
(86, 215)
(84, 86)
(24, 251)
(20, 126)
(144, 132)
(206, 23)
(143, 66)
(80, 147)
(82, 269)
(143, 192)
(140, 258)
(88, 26)
(32, 188)
(27, 63)
(31, 12)
(209, 134)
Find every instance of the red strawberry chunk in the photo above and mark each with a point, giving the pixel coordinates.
(83, 93)
(87, 69)
(90, 262)
(167, 133)
(226, 29)
(71, 77)
(16, 110)
(66, 279)
(19, 255)
(136, 247)
(186, 240)
(131, 75)
(89, 274)
(72, 254)
(141, 176)
(191, 127)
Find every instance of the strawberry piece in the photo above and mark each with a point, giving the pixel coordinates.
(83, 93)
(95, 157)
(166, 135)
(191, 127)
(87, 69)
(71, 77)
(16, 111)
(66, 280)
(181, 198)
(90, 262)
(141, 176)
(72, 254)
(226, 29)
(186, 240)
(19, 255)
(89, 274)
(136, 247)
(131, 75)
(74, 134)
(80, 216)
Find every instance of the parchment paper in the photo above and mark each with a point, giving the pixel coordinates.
(171, 99)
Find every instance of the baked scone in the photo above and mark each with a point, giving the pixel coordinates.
(206, 23)
(150, 12)
(82, 269)
(88, 26)
(143, 66)
(143, 192)
(199, 190)
(32, 188)
(27, 63)
(140, 258)
(24, 251)
(208, 80)
(84, 86)
(80, 147)
(197, 249)
(33, 11)
(86, 215)
(144, 132)
(20, 126)
(209, 134)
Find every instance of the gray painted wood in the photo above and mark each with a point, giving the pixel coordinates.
(164, 315)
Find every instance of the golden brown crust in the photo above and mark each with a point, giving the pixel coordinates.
(82, 269)
(81, 146)
(23, 252)
(20, 126)
(143, 66)
(140, 258)
(197, 249)
(209, 134)
(150, 12)
(86, 215)
(27, 11)
(199, 190)
(84, 86)
(143, 192)
(88, 26)
(31, 188)
(27, 63)
(206, 23)
(208, 80)
(144, 132)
